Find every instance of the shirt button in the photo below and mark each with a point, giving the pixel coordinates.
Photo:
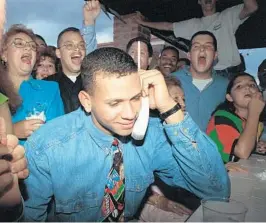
(176, 133)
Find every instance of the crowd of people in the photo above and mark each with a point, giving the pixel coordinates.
(67, 114)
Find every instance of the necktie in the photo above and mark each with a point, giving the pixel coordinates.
(114, 194)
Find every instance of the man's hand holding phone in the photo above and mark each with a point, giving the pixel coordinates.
(154, 86)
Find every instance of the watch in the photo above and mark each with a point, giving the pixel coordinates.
(173, 110)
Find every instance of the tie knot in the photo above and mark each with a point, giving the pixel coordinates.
(115, 142)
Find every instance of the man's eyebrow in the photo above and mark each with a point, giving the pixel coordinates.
(113, 100)
(209, 43)
(137, 95)
(120, 99)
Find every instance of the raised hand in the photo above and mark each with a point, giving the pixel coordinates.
(25, 128)
(154, 87)
(13, 151)
(13, 165)
(256, 104)
(91, 11)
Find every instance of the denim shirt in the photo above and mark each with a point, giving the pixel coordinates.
(38, 96)
(89, 35)
(201, 104)
(70, 158)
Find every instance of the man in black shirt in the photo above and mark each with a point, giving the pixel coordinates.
(72, 46)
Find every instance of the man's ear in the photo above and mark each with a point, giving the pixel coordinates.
(57, 52)
(85, 100)
(4, 56)
(216, 56)
(228, 97)
(189, 56)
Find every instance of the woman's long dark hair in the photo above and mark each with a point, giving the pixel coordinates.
(228, 105)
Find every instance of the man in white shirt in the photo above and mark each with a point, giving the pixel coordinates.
(222, 24)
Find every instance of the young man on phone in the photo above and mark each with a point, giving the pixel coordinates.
(88, 161)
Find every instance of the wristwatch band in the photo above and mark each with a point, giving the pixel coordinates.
(173, 110)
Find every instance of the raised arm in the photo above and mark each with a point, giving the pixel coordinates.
(250, 6)
(91, 11)
(192, 161)
(140, 19)
(248, 137)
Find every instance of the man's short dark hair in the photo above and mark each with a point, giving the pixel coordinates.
(141, 39)
(204, 33)
(69, 29)
(170, 48)
(40, 37)
(107, 61)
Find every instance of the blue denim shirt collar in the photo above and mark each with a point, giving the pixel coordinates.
(101, 139)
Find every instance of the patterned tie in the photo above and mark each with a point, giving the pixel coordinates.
(114, 193)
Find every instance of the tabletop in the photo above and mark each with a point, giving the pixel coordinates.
(248, 188)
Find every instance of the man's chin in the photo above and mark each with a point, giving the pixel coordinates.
(123, 132)
(75, 68)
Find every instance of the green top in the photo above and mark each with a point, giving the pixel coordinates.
(3, 99)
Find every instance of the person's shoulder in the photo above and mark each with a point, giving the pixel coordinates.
(221, 80)
(57, 131)
(56, 77)
(180, 73)
(47, 86)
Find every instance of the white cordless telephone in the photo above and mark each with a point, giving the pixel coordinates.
(142, 121)
(141, 124)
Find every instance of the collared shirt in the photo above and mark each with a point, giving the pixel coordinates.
(70, 158)
(69, 89)
(89, 35)
(201, 104)
(38, 96)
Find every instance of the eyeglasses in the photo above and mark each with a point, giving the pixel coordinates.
(71, 46)
(20, 43)
(197, 46)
